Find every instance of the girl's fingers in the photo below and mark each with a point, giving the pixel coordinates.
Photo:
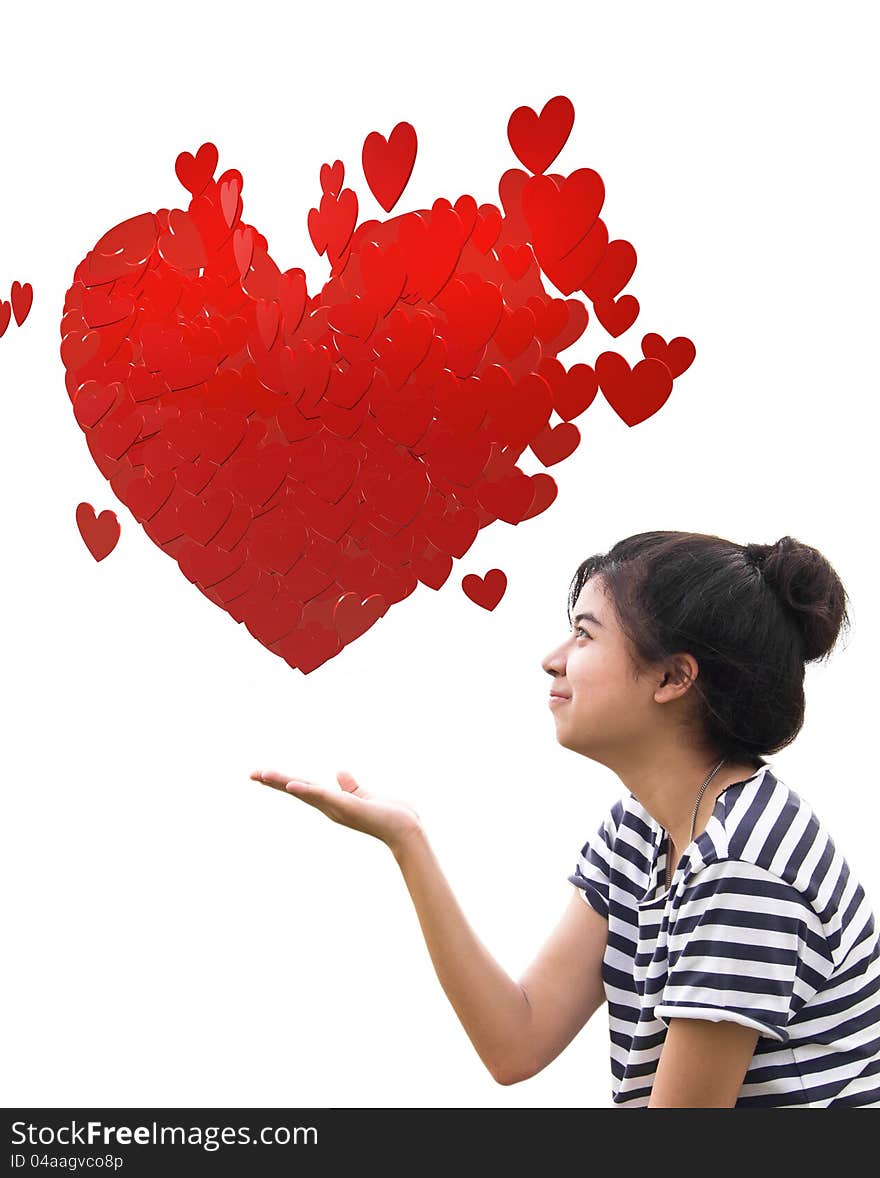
(347, 782)
(277, 780)
(306, 791)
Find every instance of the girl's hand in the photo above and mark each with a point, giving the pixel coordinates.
(386, 819)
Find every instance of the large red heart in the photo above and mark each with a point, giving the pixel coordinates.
(308, 460)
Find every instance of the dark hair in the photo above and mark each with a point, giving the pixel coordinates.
(751, 615)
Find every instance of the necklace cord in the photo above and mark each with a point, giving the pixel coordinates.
(693, 818)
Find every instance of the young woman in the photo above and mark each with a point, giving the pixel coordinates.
(736, 950)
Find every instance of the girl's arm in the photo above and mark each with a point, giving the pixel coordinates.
(517, 1028)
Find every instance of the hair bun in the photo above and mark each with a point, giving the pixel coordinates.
(808, 587)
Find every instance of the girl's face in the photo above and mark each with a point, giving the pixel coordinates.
(606, 712)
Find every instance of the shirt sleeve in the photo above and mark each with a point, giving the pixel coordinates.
(744, 947)
(593, 868)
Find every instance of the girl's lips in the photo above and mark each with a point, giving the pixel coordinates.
(558, 699)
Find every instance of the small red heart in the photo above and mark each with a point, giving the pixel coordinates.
(353, 617)
(100, 533)
(22, 298)
(388, 163)
(634, 394)
(195, 172)
(553, 444)
(486, 591)
(573, 391)
(545, 492)
(332, 178)
(537, 139)
(230, 196)
(5, 313)
(516, 261)
(677, 355)
(617, 317)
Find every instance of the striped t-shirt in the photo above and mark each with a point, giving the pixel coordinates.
(764, 924)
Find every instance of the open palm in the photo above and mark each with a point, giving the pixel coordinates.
(387, 819)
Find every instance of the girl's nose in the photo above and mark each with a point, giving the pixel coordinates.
(554, 663)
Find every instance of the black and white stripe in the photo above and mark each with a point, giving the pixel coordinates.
(764, 924)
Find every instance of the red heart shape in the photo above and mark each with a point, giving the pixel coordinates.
(545, 492)
(332, 177)
(617, 316)
(678, 355)
(537, 139)
(486, 591)
(353, 617)
(516, 261)
(634, 394)
(308, 461)
(22, 297)
(230, 186)
(100, 533)
(555, 443)
(195, 172)
(5, 313)
(388, 163)
(573, 391)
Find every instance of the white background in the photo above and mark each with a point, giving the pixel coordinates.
(179, 935)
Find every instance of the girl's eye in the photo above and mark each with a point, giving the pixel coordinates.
(580, 630)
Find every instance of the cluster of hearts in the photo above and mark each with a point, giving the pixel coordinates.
(309, 460)
(18, 304)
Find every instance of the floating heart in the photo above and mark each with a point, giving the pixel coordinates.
(634, 394)
(388, 163)
(617, 316)
(485, 591)
(677, 355)
(537, 139)
(555, 443)
(309, 460)
(22, 297)
(100, 533)
(5, 314)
